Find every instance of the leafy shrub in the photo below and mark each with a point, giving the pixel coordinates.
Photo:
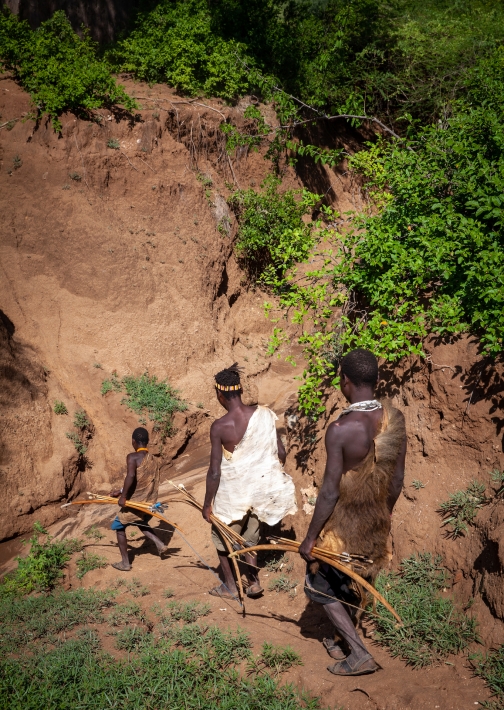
(111, 385)
(42, 567)
(113, 143)
(461, 508)
(272, 236)
(75, 439)
(88, 562)
(58, 68)
(498, 478)
(490, 667)
(59, 407)
(433, 626)
(80, 420)
(157, 398)
(175, 43)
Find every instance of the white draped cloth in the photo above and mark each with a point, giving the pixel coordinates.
(252, 478)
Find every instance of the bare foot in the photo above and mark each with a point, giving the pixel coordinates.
(224, 592)
(122, 566)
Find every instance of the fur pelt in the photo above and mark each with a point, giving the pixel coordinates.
(360, 522)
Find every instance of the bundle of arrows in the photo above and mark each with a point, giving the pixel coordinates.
(155, 510)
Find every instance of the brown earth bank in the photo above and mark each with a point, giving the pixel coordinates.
(121, 260)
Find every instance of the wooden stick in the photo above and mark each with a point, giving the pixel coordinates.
(342, 568)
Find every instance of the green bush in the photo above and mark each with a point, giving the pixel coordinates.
(433, 626)
(175, 43)
(272, 236)
(42, 567)
(59, 407)
(80, 420)
(157, 398)
(59, 69)
(76, 441)
(89, 561)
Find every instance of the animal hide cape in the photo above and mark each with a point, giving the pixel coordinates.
(360, 522)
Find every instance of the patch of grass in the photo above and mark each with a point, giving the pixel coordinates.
(200, 405)
(17, 162)
(188, 612)
(277, 658)
(282, 583)
(88, 562)
(136, 589)
(461, 508)
(80, 420)
(490, 667)
(279, 563)
(113, 143)
(112, 384)
(42, 567)
(65, 187)
(75, 176)
(168, 593)
(132, 639)
(94, 533)
(98, 366)
(203, 672)
(125, 614)
(25, 620)
(59, 407)
(156, 398)
(75, 439)
(433, 626)
(417, 485)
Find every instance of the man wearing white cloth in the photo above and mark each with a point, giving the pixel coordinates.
(246, 483)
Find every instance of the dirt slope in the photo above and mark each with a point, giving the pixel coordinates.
(122, 260)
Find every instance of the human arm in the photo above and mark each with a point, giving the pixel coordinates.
(214, 471)
(131, 468)
(282, 454)
(396, 482)
(329, 491)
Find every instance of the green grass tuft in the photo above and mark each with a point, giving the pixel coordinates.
(282, 583)
(433, 626)
(113, 143)
(490, 667)
(461, 508)
(188, 612)
(88, 562)
(75, 439)
(80, 420)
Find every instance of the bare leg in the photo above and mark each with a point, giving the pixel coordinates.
(124, 565)
(252, 575)
(345, 628)
(151, 535)
(229, 586)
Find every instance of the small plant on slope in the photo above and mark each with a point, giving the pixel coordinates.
(80, 420)
(59, 407)
(433, 626)
(461, 508)
(88, 562)
(157, 398)
(75, 439)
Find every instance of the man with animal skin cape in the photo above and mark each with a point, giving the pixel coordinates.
(366, 451)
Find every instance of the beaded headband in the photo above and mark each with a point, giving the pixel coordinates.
(227, 388)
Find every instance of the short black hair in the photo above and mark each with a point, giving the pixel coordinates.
(230, 377)
(141, 435)
(361, 367)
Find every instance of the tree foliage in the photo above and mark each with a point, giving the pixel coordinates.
(59, 69)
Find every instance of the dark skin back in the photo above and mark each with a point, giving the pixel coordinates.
(347, 443)
(227, 432)
(133, 461)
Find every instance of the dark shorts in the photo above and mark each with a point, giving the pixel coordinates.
(117, 525)
(329, 585)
